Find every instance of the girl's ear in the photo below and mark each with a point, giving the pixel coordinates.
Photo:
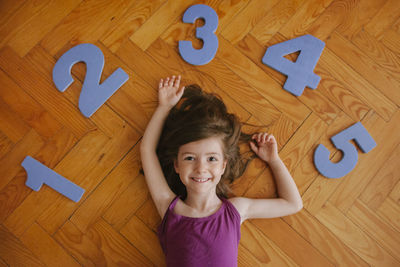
(224, 165)
(176, 166)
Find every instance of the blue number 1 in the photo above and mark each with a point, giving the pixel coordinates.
(300, 73)
(206, 33)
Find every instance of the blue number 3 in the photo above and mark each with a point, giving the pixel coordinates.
(206, 33)
(350, 154)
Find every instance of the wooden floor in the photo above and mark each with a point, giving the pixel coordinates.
(352, 221)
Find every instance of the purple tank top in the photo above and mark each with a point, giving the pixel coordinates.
(207, 241)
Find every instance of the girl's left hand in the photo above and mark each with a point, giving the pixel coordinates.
(265, 146)
(169, 92)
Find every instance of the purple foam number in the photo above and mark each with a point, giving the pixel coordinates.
(356, 132)
(38, 174)
(93, 94)
(206, 33)
(300, 73)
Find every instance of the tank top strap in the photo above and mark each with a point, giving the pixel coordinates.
(173, 203)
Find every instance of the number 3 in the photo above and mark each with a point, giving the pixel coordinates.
(93, 94)
(206, 33)
(350, 154)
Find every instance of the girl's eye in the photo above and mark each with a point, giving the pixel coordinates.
(212, 159)
(190, 158)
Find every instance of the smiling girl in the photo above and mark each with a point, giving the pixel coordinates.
(190, 154)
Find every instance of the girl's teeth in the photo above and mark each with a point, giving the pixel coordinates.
(200, 180)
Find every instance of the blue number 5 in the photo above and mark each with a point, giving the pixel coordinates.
(93, 94)
(350, 155)
(206, 33)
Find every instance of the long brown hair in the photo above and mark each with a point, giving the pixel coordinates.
(200, 115)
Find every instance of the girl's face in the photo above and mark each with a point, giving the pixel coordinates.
(200, 164)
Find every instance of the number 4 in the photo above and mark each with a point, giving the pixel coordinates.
(300, 73)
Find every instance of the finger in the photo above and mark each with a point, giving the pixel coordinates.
(253, 147)
(180, 91)
(160, 84)
(171, 82)
(264, 137)
(259, 137)
(177, 82)
(166, 81)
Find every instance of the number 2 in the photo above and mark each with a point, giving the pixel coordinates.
(206, 33)
(93, 94)
(350, 155)
(300, 74)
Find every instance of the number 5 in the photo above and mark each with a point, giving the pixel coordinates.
(350, 154)
(206, 33)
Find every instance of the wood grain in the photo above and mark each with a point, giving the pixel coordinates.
(351, 221)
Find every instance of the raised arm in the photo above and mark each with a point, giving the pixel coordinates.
(289, 200)
(169, 94)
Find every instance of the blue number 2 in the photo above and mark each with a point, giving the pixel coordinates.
(206, 33)
(93, 94)
(350, 155)
(300, 74)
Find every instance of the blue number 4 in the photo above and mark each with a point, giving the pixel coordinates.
(300, 73)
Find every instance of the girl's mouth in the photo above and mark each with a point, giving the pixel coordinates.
(200, 180)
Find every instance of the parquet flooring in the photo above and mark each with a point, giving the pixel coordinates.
(351, 221)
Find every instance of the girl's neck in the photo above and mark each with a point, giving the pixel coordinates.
(203, 202)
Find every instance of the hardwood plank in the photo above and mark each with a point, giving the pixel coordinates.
(390, 212)
(27, 108)
(262, 249)
(14, 253)
(127, 203)
(6, 145)
(354, 237)
(137, 14)
(389, 61)
(275, 19)
(251, 15)
(391, 40)
(291, 243)
(107, 191)
(158, 23)
(357, 84)
(384, 234)
(365, 66)
(145, 239)
(304, 17)
(40, 242)
(385, 17)
(383, 182)
(38, 23)
(85, 248)
(359, 15)
(85, 24)
(325, 241)
(119, 250)
(11, 124)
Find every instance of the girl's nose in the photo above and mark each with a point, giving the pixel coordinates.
(201, 166)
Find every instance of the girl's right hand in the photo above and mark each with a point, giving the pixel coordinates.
(169, 92)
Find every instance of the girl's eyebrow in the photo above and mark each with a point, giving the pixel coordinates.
(209, 153)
